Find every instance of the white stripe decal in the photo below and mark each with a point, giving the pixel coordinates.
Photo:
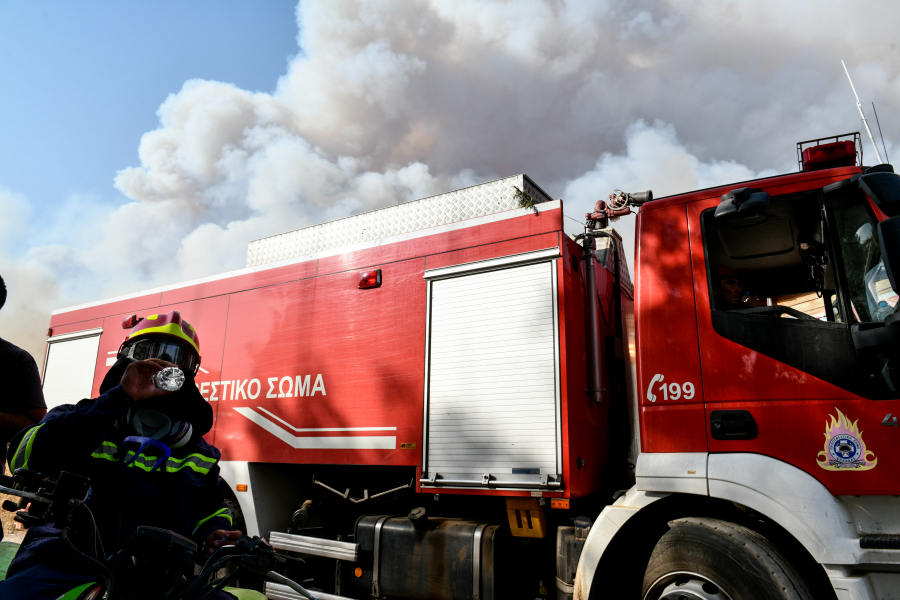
(297, 429)
(367, 442)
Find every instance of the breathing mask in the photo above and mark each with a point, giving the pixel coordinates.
(154, 424)
(155, 429)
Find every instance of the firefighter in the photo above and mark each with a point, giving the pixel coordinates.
(120, 441)
(728, 292)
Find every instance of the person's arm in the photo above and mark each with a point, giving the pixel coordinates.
(214, 522)
(753, 302)
(13, 423)
(28, 397)
(74, 433)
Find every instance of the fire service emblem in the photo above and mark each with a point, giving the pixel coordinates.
(844, 446)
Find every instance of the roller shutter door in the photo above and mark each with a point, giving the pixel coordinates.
(493, 388)
(69, 369)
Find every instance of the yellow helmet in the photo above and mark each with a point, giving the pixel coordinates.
(168, 337)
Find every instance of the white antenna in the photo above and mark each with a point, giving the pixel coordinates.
(859, 106)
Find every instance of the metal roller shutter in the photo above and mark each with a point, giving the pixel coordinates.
(69, 370)
(493, 390)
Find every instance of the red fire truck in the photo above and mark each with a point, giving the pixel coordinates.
(453, 398)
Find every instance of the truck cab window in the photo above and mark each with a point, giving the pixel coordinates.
(783, 262)
(868, 289)
(775, 264)
(869, 294)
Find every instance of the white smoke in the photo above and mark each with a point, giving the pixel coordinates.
(24, 318)
(397, 100)
(673, 170)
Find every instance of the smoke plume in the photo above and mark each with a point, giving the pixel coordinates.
(392, 101)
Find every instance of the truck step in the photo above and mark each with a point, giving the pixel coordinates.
(887, 541)
(276, 591)
(314, 546)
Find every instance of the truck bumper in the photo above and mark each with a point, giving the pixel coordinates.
(865, 586)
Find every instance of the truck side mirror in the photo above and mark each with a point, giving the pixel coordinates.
(742, 202)
(882, 185)
(889, 240)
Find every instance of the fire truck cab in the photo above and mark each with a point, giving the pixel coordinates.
(765, 420)
(453, 398)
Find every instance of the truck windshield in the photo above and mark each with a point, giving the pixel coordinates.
(868, 288)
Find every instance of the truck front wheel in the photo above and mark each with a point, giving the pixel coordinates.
(709, 559)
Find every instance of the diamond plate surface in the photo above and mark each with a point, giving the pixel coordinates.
(467, 203)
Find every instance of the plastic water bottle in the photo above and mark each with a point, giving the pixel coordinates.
(169, 379)
(883, 310)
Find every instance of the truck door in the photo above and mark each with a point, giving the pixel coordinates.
(779, 295)
(69, 367)
(492, 413)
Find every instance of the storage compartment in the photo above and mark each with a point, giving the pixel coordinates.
(492, 383)
(69, 369)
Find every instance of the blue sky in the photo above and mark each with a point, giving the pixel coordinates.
(81, 81)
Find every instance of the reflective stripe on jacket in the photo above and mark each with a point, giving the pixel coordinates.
(185, 495)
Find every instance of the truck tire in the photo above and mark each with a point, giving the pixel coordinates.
(709, 559)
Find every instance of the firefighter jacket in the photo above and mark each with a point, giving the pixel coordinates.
(183, 495)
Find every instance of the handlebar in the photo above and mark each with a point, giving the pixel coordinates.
(20, 493)
(54, 501)
(253, 554)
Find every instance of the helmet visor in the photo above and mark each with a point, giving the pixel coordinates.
(182, 355)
